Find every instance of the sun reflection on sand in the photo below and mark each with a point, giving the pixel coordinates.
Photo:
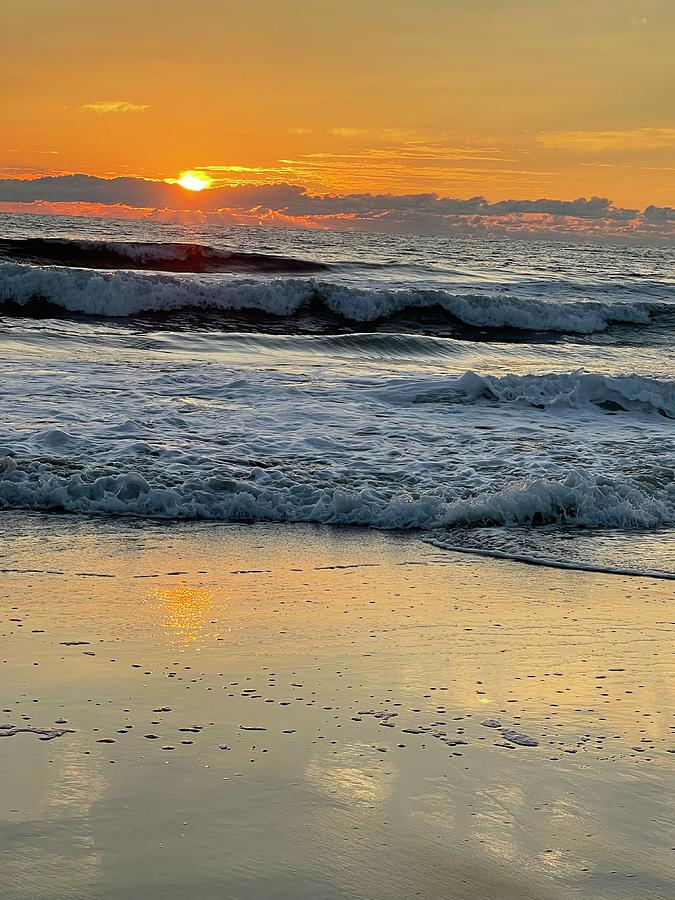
(186, 610)
(351, 776)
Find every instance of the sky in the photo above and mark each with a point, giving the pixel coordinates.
(506, 100)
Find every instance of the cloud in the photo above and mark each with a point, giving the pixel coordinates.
(593, 141)
(39, 152)
(393, 161)
(283, 203)
(348, 132)
(659, 215)
(89, 189)
(595, 208)
(114, 106)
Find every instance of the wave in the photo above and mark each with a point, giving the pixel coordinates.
(122, 294)
(164, 257)
(573, 390)
(551, 562)
(580, 499)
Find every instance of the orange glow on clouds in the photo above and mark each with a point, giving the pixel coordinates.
(516, 225)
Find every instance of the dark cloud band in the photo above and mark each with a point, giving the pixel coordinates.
(424, 212)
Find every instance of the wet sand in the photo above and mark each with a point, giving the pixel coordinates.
(295, 712)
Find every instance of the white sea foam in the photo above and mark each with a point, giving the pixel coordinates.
(203, 441)
(144, 252)
(551, 562)
(579, 499)
(120, 294)
(627, 393)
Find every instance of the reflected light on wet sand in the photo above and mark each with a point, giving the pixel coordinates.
(185, 610)
(351, 776)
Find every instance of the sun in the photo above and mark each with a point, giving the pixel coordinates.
(194, 181)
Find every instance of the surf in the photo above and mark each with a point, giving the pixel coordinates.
(124, 293)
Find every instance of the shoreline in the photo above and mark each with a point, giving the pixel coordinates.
(415, 535)
(548, 562)
(338, 713)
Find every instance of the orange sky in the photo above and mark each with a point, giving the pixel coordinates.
(504, 98)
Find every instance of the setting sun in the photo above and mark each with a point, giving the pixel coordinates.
(194, 181)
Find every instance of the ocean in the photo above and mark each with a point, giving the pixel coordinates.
(509, 398)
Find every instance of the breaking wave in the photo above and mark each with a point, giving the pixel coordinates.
(619, 393)
(579, 499)
(121, 294)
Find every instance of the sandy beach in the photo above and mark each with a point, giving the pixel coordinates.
(301, 712)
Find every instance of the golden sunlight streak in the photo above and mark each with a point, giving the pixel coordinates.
(194, 181)
(185, 609)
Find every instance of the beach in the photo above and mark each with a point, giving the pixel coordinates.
(254, 710)
(337, 450)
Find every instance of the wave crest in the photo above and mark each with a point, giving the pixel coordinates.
(573, 390)
(579, 499)
(121, 294)
(166, 257)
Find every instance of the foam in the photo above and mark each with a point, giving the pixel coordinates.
(555, 391)
(580, 499)
(43, 734)
(199, 439)
(551, 562)
(123, 293)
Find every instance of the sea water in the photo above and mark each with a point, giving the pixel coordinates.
(515, 398)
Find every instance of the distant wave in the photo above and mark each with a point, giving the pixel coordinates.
(163, 257)
(121, 294)
(619, 393)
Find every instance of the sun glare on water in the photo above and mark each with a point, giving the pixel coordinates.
(194, 181)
